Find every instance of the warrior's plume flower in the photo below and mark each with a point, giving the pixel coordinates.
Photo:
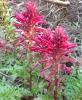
(54, 43)
(56, 47)
(29, 19)
(28, 23)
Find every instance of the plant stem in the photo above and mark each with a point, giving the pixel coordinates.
(55, 91)
(55, 95)
(30, 72)
(30, 81)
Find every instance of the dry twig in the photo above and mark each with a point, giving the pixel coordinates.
(66, 3)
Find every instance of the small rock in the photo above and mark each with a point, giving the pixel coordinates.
(37, 99)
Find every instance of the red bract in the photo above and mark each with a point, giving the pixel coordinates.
(1, 44)
(69, 70)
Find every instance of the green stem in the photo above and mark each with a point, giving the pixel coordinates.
(30, 72)
(55, 91)
(30, 81)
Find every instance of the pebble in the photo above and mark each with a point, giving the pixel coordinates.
(37, 99)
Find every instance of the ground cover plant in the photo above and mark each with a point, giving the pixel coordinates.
(34, 59)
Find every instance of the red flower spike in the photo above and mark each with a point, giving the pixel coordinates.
(28, 22)
(56, 47)
(30, 18)
(54, 43)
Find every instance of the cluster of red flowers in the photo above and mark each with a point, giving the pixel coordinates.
(29, 20)
(55, 46)
(53, 43)
(28, 23)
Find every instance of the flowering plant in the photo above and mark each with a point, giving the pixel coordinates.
(54, 44)
(53, 47)
(56, 48)
(29, 22)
